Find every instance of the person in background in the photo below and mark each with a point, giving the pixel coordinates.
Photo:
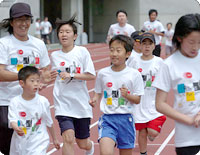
(154, 26)
(180, 72)
(38, 28)
(121, 27)
(46, 30)
(18, 49)
(169, 32)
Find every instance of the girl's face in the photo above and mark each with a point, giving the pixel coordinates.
(147, 47)
(66, 35)
(190, 45)
(118, 54)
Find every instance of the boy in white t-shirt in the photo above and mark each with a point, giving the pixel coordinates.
(29, 115)
(71, 98)
(121, 88)
(148, 120)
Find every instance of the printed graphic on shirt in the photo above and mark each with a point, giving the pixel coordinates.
(188, 88)
(20, 59)
(147, 78)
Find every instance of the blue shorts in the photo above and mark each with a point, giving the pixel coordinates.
(80, 126)
(120, 128)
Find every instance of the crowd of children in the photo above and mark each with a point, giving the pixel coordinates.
(132, 91)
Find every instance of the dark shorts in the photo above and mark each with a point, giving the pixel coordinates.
(80, 126)
(5, 132)
(157, 50)
(190, 150)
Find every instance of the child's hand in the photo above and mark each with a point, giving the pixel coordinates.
(56, 144)
(64, 75)
(197, 120)
(124, 92)
(93, 102)
(48, 76)
(19, 131)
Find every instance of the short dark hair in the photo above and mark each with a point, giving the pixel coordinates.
(169, 23)
(70, 22)
(185, 25)
(152, 11)
(126, 41)
(25, 72)
(123, 11)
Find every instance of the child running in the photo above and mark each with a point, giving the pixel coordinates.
(71, 98)
(29, 115)
(180, 72)
(121, 88)
(148, 120)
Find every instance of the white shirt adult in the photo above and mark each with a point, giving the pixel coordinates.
(154, 26)
(184, 79)
(16, 54)
(169, 34)
(72, 99)
(33, 116)
(146, 110)
(116, 29)
(109, 82)
(37, 28)
(132, 60)
(46, 27)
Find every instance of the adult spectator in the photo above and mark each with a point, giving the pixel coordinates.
(38, 28)
(46, 30)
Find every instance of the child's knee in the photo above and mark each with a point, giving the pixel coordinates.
(152, 132)
(68, 136)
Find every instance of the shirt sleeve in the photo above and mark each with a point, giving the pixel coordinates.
(88, 64)
(47, 113)
(45, 61)
(4, 54)
(138, 86)
(12, 116)
(163, 80)
(110, 31)
(98, 84)
(161, 28)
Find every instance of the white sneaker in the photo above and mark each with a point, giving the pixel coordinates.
(91, 151)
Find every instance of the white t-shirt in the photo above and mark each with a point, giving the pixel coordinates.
(116, 29)
(109, 82)
(16, 54)
(72, 99)
(182, 75)
(132, 60)
(46, 25)
(33, 116)
(169, 34)
(37, 28)
(146, 111)
(155, 26)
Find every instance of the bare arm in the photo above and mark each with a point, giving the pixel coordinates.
(15, 127)
(53, 135)
(82, 76)
(135, 99)
(7, 76)
(96, 99)
(163, 107)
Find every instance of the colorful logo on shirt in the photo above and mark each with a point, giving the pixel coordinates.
(22, 114)
(109, 84)
(187, 75)
(20, 52)
(62, 64)
(140, 69)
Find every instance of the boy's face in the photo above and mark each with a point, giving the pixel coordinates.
(153, 16)
(31, 85)
(147, 47)
(66, 35)
(118, 54)
(121, 18)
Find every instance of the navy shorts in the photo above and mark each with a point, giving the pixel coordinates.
(81, 126)
(120, 128)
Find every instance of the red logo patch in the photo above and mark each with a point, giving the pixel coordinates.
(62, 64)
(20, 52)
(140, 69)
(22, 114)
(188, 75)
(109, 84)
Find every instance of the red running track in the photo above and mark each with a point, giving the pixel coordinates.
(163, 144)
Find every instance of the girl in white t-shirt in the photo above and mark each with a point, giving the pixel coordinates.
(71, 98)
(180, 72)
(118, 87)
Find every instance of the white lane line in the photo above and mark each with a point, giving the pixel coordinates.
(163, 145)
